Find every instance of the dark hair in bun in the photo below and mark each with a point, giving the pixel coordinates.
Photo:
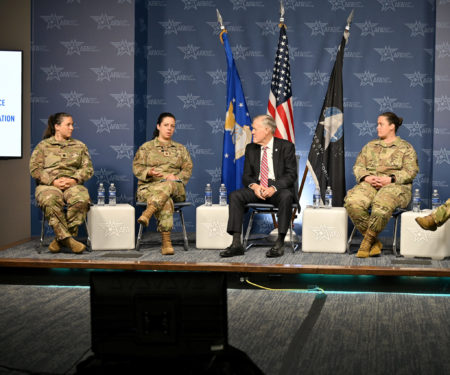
(393, 119)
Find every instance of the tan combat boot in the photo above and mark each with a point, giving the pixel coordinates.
(144, 219)
(74, 245)
(376, 248)
(427, 222)
(166, 247)
(366, 244)
(55, 246)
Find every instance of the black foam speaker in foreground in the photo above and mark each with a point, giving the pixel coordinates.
(158, 315)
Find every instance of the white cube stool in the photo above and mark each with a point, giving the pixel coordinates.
(111, 227)
(211, 227)
(417, 242)
(324, 230)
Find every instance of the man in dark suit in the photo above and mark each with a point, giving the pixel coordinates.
(270, 173)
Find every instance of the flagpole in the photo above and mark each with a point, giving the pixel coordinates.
(302, 184)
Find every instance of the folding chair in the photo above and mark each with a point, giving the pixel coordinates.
(178, 207)
(396, 215)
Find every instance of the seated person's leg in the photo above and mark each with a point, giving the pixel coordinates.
(50, 199)
(77, 198)
(165, 226)
(357, 203)
(437, 218)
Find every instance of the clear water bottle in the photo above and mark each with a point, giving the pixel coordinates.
(223, 195)
(316, 198)
(328, 197)
(416, 201)
(112, 194)
(208, 195)
(435, 200)
(101, 195)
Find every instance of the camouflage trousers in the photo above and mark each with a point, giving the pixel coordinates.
(382, 203)
(442, 213)
(162, 195)
(53, 200)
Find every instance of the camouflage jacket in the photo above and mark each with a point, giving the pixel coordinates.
(173, 159)
(379, 158)
(52, 159)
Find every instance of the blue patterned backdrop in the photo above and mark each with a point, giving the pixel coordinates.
(115, 65)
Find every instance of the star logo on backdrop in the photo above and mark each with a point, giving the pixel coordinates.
(53, 21)
(415, 129)
(420, 179)
(365, 127)
(317, 27)
(216, 174)
(193, 4)
(103, 73)
(317, 78)
(386, 103)
(190, 51)
(189, 100)
(113, 228)
(386, 53)
(324, 233)
(387, 5)
(239, 52)
(170, 27)
(442, 156)
(73, 98)
(218, 76)
(103, 21)
(443, 50)
(124, 99)
(268, 27)
(123, 151)
(170, 75)
(103, 125)
(52, 72)
(104, 175)
(311, 126)
(443, 103)
(417, 28)
(337, 4)
(416, 79)
(266, 77)
(73, 47)
(217, 125)
(367, 28)
(192, 148)
(366, 78)
(124, 48)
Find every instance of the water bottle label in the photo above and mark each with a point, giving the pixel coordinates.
(112, 194)
(416, 200)
(435, 200)
(101, 193)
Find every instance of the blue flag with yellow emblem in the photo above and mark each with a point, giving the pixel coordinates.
(238, 131)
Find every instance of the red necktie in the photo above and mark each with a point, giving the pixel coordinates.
(264, 169)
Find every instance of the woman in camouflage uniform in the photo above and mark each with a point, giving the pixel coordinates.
(163, 168)
(384, 170)
(60, 165)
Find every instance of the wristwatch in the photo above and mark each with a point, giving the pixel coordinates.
(392, 179)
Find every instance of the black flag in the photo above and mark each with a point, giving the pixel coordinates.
(326, 156)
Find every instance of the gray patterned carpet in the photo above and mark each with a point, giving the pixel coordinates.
(46, 330)
(150, 251)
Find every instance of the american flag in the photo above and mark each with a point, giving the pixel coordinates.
(280, 97)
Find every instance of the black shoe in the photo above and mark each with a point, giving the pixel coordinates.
(275, 251)
(231, 251)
